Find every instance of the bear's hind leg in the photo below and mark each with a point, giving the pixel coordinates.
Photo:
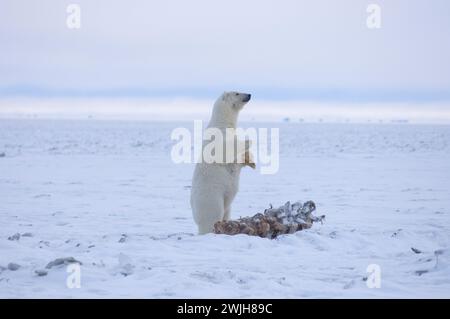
(227, 214)
(209, 212)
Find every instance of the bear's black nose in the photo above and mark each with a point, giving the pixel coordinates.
(247, 98)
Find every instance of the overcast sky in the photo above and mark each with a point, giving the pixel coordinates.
(277, 48)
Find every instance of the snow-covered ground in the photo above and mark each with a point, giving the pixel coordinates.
(108, 194)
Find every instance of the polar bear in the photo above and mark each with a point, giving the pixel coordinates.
(214, 185)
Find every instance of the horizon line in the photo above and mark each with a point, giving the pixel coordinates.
(277, 94)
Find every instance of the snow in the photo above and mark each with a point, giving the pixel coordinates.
(107, 194)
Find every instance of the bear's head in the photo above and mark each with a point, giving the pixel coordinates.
(227, 107)
(235, 99)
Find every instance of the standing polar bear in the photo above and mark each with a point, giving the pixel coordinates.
(215, 185)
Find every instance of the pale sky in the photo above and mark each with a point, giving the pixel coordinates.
(279, 49)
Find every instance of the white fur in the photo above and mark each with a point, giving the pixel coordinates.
(215, 185)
